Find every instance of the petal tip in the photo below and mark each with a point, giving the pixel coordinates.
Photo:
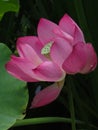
(46, 96)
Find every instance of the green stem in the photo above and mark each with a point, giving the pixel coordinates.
(43, 120)
(72, 112)
(82, 18)
(71, 105)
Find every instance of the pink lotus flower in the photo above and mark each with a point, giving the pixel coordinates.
(69, 48)
(60, 49)
(33, 66)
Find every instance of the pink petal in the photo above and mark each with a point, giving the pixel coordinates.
(29, 46)
(63, 34)
(91, 59)
(29, 53)
(77, 60)
(49, 71)
(69, 26)
(19, 66)
(60, 50)
(18, 73)
(45, 30)
(78, 36)
(46, 96)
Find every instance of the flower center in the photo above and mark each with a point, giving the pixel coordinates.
(46, 50)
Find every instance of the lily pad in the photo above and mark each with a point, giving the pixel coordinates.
(13, 93)
(8, 5)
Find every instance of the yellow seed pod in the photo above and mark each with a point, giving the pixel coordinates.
(46, 49)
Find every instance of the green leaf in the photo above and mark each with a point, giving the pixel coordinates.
(8, 5)
(13, 94)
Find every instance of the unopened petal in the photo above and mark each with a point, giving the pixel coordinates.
(46, 96)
